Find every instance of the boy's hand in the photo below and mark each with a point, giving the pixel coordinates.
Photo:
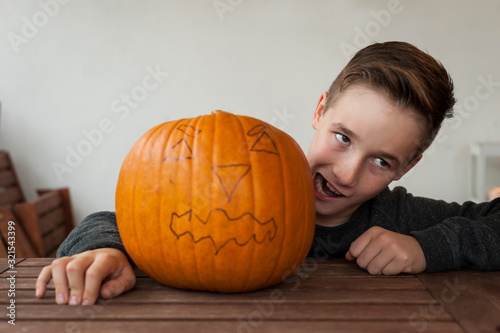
(78, 279)
(381, 251)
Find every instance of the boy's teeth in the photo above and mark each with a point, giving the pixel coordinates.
(331, 188)
(325, 188)
(319, 186)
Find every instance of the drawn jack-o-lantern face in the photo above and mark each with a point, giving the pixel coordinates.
(218, 202)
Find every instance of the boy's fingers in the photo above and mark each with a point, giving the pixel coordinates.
(82, 275)
(101, 267)
(392, 268)
(362, 241)
(75, 271)
(42, 281)
(349, 256)
(109, 265)
(379, 263)
(60, 279)
(122, 283)
(369, 254)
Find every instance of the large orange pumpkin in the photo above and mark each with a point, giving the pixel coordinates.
(218, 202)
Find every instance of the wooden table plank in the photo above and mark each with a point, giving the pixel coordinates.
(330, 267)
(460, 298)
(115, 310)
(5, 266)
(254, 326)
(315, 282)
(170, 295)
(37, 262)
(485, 285)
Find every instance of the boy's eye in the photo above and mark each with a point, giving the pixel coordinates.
(381, 163)
(343, 139)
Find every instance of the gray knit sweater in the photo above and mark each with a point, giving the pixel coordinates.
(452, 236)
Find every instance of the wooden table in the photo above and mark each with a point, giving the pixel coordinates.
(326, 296)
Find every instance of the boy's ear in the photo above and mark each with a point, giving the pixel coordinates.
(320, 109)
(408, 167)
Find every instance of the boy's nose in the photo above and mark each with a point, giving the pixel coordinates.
(347, 174)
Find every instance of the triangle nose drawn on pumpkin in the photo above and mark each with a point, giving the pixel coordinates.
(230, 176)
(180, 151)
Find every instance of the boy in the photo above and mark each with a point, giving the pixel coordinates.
(372, 126)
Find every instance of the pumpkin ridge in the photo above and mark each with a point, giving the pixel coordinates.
(196, 122)
(298, 260)
(164, 248)
(284, 202)
(133, 191)
(212, 159)
(242, 129)
(307, 242)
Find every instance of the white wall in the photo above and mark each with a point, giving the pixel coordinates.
(63, 73)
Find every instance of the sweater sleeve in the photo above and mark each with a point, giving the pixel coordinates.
(98, 230)
(454, 236)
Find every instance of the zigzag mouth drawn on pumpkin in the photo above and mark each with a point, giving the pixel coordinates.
(216, 220)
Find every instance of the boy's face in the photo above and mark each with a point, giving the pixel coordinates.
(362, 143)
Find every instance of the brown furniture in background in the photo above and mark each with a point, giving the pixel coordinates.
(10, 189)
(40, 225)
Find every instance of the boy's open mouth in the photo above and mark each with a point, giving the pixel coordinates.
(325, 188)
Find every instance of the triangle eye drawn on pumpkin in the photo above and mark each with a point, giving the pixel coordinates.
(181, 150)
(229, 176)
(264, 142)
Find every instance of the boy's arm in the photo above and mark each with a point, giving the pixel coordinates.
(98, 230)
(91, 261)
(452, 236)
(469, 239)
(425, 234)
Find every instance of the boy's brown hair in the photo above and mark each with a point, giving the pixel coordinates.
(410, 77)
